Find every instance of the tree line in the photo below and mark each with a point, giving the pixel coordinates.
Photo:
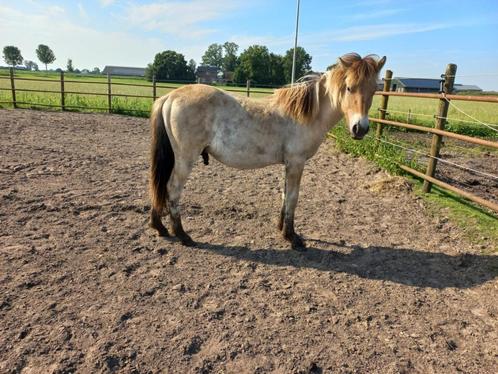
(256, 63)
(12, 56)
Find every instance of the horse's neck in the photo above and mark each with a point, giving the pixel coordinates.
(329, 112)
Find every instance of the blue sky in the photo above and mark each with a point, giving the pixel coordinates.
(418, 37)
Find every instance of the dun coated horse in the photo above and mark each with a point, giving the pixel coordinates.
(243, 133)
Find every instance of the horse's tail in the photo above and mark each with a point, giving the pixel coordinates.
(162, 158)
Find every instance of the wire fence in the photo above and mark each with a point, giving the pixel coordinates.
(438, 131)
(109, 91)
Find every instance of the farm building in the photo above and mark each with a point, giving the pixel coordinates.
(466, 87)
(124, 70)
(207, 73)
(426, 85)
(415, 85)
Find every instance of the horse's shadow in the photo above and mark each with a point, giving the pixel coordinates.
(406, 266)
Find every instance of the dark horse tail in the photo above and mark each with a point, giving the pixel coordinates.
(161, 164)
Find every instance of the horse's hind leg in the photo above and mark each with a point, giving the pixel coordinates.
(156, 223)
(176, 183)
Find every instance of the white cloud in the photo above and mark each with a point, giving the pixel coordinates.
(86, 46)
(374, 14)
(380, 31)
(183, 19)
(82, 11)
(106, 3)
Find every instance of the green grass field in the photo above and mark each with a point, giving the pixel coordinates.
(421, 111)
(85, 85)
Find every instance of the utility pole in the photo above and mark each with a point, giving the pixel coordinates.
(295, 45)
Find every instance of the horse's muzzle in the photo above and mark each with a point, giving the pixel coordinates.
(358, 131)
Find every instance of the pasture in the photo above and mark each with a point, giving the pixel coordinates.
(412, 110)
(86, 286)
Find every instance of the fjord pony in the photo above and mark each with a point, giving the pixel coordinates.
(286, 128)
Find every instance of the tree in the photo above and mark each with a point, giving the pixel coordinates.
(277, 74)
(213, 56)
(255, 65)
(45, 54)
(30, 65)
(192, 65)
(230, 56)
(12, 55)
(303, 63)
(96, 70)
(169, 65)
(70, 68)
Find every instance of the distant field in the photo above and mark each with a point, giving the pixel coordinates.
(421, 111)
(95, 84)
(413, 110)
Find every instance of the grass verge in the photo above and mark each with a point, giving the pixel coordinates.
(479, 225)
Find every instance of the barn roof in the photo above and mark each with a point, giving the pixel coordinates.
(419, 82)
(429, 83)
(123, 70)
(466, 87)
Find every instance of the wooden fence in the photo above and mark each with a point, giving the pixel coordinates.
(438, 131)
(155, 84)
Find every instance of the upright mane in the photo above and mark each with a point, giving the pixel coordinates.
(300, 101)
(354, 67)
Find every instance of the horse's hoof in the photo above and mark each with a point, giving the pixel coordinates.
(186, 240)
(297, 244)
(161, 230)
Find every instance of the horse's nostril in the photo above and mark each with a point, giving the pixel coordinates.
(355, 129)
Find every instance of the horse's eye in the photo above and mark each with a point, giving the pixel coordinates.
(348, 89)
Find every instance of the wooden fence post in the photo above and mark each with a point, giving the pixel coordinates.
(449, 80)
(13, 88)
(383, 104)
(63, 95)
(154, 88)
(248, 87)
(109, 94)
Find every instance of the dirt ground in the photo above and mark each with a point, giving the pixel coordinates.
(86, 287)
(461, 153)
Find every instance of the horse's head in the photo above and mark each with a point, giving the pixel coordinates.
(355, 81)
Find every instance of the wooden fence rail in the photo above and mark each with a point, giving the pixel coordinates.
(437, 131)
(63, 92)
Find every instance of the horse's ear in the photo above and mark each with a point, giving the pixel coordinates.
(381, 63)
(345, 64)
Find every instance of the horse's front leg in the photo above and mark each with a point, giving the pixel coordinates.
(293, 173)
(282, 209)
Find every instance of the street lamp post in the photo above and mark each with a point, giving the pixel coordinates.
(295, 45)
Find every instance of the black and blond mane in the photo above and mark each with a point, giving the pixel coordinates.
(300, 101)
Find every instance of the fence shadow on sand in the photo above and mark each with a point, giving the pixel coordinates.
(405, 266)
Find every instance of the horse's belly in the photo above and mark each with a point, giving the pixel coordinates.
(245, 156)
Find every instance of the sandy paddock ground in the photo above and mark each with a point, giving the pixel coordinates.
(86, 287)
